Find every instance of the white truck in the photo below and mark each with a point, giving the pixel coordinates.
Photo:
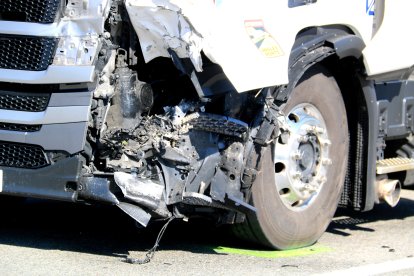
(262, 114)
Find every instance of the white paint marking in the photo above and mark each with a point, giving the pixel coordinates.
(375, 269)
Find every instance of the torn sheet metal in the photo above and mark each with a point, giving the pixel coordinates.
(142, 191)
(136, 213)
(161, 25)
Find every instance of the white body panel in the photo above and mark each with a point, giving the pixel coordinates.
(391, 49)
(220, 29)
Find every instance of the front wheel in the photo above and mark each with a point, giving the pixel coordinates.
(298, 187)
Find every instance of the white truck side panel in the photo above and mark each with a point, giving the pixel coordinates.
(251, 40)
(391, 49)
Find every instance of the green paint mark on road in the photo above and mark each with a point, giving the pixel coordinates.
(273, 254)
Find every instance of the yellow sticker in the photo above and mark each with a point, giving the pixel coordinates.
(263, 40)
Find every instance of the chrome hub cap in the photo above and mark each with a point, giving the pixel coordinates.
(302, 160)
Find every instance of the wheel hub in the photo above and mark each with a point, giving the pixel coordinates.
(301, 161)
(309, 158)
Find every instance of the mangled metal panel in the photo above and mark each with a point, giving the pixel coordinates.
(246, 38)
(161, 25)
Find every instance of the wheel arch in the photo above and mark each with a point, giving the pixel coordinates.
(339, 49)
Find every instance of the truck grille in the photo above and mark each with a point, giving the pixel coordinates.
(32, 102)
(18, 127)
(37, 11)
(22, 156)
(26, 53)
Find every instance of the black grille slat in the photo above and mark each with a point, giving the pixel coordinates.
(19, 127)
(22, 156)
(26, 53)
(36, 11)
(31, 102)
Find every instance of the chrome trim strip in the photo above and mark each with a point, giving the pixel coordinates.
(53, 74)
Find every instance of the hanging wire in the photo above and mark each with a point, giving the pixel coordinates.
(150, 253)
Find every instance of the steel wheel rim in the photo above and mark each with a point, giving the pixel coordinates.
(301, 157)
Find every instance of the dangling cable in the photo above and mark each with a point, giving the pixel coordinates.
(150, 253)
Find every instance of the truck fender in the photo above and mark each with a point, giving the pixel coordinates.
(347, 46)
(313, 46)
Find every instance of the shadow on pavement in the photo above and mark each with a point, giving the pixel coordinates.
(102, 230)
(354, 221)
(105, 230)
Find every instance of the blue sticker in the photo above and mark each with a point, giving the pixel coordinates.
(369, 8)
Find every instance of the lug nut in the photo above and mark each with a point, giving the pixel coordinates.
(296, 175)
(321, 180)
(315, 129)
(310, 129)
(297, 155)
(326, 161)
(320, 130)
(303, 139)
(284, 137)
(325, 142)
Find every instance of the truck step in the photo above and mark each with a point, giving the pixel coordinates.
(391, 165)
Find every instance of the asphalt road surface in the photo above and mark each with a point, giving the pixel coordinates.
(50, 238)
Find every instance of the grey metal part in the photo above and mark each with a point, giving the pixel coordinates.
(62, 28)
(53, 74)
(66, 137)
(96, 188)
(206, 173)
(52, 115)
(395, 108)
(48, 182)
(201, 200)
(218, 186)
(145, 192)
(370, 99)
(347, 45)
(175, 155)
(232, 163)
(222, 185)
(135, 212)
(231, 203)
(71, 99)
(91, 21)
(297, 3)
(227, 177)
(240, 204)
(174, 183)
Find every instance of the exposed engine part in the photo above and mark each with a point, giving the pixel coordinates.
(179, 156)
(132, 97)
(106, 89)
(164, 147)
(217, 124)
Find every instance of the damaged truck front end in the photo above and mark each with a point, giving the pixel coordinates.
(168, 134)
(129, 105)
(153, 127)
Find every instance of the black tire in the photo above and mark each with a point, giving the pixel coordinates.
(275, 225)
